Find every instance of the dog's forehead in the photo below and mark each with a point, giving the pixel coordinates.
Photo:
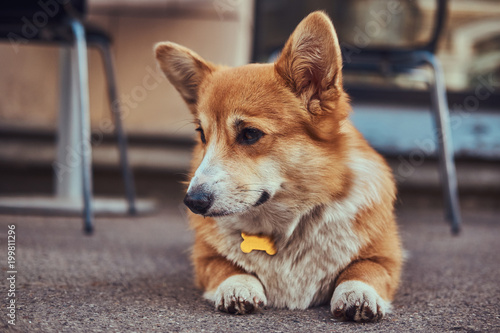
(247, 91)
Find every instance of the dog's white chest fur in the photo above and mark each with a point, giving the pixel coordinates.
(303, 271)
(317, 246)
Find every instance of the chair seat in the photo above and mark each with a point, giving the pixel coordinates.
(55, 32)
(383, 60)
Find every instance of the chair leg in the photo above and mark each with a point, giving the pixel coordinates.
(86, 148)
(128, 177)
(68, 180)
(445, 146)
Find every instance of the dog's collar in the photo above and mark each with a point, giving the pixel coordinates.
(257, 242)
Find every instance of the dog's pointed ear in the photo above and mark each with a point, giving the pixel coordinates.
(184, 68)
(311, 63)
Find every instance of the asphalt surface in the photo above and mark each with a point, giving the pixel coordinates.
(134, 275)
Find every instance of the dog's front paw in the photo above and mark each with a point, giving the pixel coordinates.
(358, 301)
(239, 294)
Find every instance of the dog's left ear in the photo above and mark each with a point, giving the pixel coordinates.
(311, 63)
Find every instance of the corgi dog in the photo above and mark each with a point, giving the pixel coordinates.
(290, 205)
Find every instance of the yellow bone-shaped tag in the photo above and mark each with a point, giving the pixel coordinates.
(257, 242)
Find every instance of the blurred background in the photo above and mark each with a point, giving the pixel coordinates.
(134, 273)
(392, 111)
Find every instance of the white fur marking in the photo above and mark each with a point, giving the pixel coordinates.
(356, 293)
(205, 169)
(365, 189)
(235, 291)
(330, 242)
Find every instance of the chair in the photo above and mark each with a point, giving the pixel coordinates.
(60, 23)
(392, 60)
(395, 61)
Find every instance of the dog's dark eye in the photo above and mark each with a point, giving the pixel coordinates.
(202, 135)
(249, 136)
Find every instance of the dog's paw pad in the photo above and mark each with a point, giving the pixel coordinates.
(358, 301)
(239, 294)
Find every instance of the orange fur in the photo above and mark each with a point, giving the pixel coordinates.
(329, 193)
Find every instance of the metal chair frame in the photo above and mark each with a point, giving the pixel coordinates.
(404, 60)
(68, 31)
(384, 60)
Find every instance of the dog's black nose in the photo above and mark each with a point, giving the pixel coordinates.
(198, 201)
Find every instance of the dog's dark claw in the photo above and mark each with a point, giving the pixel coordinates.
(338, 314)
(357, 312)
(249, 308)
(350, 312)
(240, 306)
(232, 308)
(367, 314)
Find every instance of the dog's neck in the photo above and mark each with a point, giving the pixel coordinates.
(272, 219)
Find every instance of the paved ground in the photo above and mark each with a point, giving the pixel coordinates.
(134, 275)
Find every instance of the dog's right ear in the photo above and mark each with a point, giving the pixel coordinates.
(184, 69)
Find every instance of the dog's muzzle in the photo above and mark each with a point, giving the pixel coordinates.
(198, 201)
